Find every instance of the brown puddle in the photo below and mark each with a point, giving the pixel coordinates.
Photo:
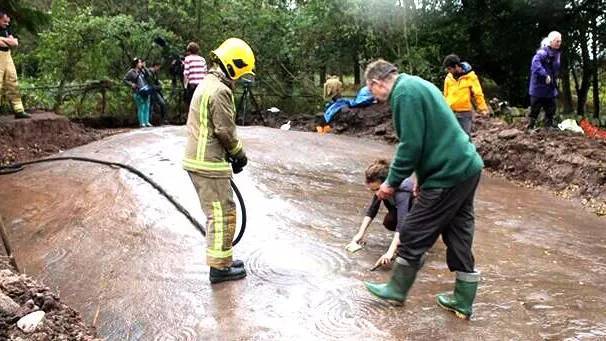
(119, 253)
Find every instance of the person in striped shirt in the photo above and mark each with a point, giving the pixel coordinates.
(194, 70)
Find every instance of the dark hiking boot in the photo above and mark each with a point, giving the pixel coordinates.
(22, 114)
(227, 274)
(531, 124)
(461, 300)
(397, 288)
(237, 264)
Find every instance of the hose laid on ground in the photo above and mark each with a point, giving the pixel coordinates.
(17, 167)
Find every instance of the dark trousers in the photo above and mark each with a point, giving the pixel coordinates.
(466, 123)
(157, 100)
(548, 104)
(441, 211)
(189, 93)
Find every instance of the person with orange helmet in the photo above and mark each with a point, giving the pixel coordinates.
(212, 144)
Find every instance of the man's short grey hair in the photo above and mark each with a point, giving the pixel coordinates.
(380, 69)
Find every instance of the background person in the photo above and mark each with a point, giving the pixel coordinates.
(461, 89)
(543, 88)
(135, 79)
(8, 73)
(156, 96)
(194, 70)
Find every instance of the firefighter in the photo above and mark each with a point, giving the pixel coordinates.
(212, 144)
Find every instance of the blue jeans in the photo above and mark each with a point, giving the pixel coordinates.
(142, 108)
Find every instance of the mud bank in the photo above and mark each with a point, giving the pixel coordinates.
(44, 134)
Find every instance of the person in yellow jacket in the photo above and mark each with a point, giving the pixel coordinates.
(8, 73)
(462, 88)
(212, 144)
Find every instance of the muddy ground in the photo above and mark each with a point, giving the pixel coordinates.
(60, 321)
(44, 134)
(570, 165)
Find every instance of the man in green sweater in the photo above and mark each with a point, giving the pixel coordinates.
(434, 146)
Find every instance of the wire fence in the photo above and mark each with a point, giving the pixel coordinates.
(102, 97)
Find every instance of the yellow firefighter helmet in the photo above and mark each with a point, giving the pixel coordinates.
(237, 58)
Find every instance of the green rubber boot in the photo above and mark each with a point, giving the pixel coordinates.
(22, 114)
(397, 288)
(461, 300)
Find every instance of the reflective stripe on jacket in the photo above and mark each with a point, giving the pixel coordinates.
(459, 92)
(211, 130)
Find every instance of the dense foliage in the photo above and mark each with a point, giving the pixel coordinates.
(299, 42)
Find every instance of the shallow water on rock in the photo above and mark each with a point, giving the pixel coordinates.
(120, 253)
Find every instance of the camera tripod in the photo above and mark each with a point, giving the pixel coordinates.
(243, 105)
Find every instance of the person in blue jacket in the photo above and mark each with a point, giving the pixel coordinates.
(543, 88)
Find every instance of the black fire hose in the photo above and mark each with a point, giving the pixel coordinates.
(17, 167)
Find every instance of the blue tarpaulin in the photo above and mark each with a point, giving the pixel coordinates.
(363, 98)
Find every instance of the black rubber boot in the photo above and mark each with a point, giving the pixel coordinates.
(227, 274)
(237, 264)
(549, 124)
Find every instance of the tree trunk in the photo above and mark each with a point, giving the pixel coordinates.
(586, 75)
(59, 96)
(322, 75)
(596, 93)
(566, 92)
(356, 68)
(471, 8)
(596, 71)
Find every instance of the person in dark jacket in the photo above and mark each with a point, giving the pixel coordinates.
(543, 88)
(397, 210)
(156, 97)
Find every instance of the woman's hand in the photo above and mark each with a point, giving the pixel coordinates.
(357, 242)
(359, 239)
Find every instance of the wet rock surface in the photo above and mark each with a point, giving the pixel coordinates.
(135, 268)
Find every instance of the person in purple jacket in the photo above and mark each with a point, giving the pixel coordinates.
(543, 87)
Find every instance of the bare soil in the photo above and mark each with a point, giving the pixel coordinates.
(60, 321)
(44, 134)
